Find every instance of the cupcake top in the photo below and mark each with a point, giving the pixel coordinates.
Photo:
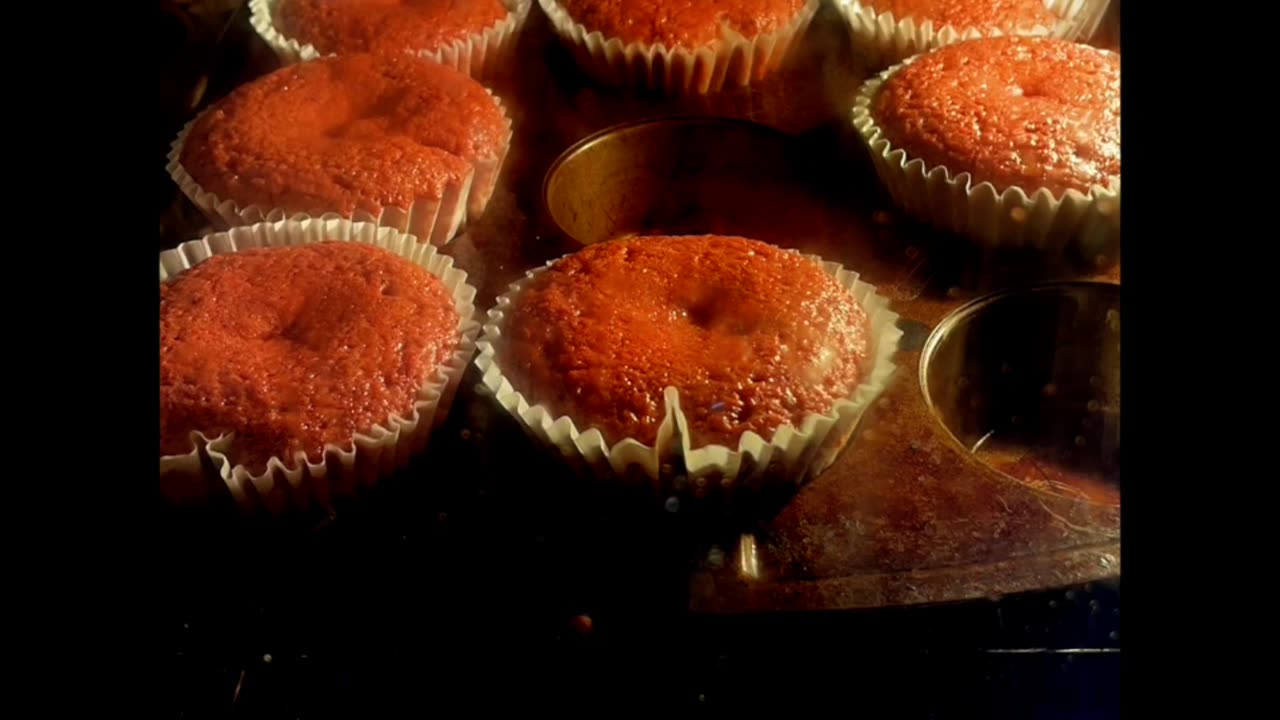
(1012, 111)
(292, 348)
(345, 132)
(752, 336)
(960, 14)
(687, 23)
(353, 26)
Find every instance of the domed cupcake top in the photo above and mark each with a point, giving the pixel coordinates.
(998, 14)
(345, 132)
(1013, 111)
(353, 26)
(685, 23)
(752, 336)
(292, 348)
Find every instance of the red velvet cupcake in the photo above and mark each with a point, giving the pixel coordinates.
(304, 359)
(472, 37)
(1009, 140)
(389, 138)
(683, 46)
(887, 31)
(738, 352)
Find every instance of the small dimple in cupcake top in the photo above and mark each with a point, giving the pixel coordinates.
(752, 336)
(353, 26)
(293, 348)
(344, 133)
(1013, 111)
(1004, 15)
(684, 23)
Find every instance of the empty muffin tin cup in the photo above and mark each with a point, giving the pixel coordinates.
(1028, 380)
(683, 176)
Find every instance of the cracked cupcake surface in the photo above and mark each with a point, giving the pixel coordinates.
(1013, 111)
(752, 336)
(345, 133)
(684, 23)
(293, 348)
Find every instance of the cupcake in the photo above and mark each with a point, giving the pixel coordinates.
(388, 138)
(886, 31)
(470, 36)
(680, 47)
(1008, 140)
(302, 360)
(692, 361)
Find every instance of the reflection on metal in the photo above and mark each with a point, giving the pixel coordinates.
(235, 696)
(197, 92)
(748, 559)
(683, 175)
(1076, 527)
(1028, 380)
(1053, 651)
(978, 445)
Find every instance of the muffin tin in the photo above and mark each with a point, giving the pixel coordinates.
(680, 176)
(1029, 381)
(908, 513)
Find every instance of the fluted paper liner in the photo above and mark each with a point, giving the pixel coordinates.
(880, 39)
(791, 455)
(733, 61)
(435, 220)
(475, 55)
(342, 471)
(1012, 218)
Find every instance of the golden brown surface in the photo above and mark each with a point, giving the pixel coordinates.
(960, 14)
(349, 26)
(293, 348)
(688, 23)
(336, 134)
(1024, 112)
(752, 336)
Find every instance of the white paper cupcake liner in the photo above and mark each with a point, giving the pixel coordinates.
(434, 220)
(670, 465)
(731, 62)
(342, 471)
(880, 39)
(1012, 218)
(476, 55)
